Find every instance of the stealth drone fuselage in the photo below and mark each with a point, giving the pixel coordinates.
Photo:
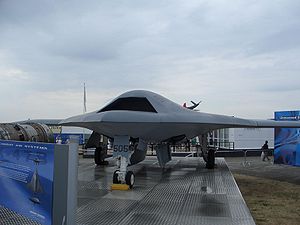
(137, 117)
(153, 118)
(192, 107)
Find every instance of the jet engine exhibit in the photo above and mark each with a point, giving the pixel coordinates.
(32, 132)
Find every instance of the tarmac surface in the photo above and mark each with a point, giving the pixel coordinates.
(254, 166)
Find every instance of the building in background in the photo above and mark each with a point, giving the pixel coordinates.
(241, 138)
(251, 138)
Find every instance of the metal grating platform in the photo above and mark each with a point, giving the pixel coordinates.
(7, 217)
(185, 192)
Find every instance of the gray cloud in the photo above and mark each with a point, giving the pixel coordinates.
(214, 50)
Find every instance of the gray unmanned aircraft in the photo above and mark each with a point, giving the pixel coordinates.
(139, 117)
(192, 107)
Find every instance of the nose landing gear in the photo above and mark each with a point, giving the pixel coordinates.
(122, 152)
(121, 175)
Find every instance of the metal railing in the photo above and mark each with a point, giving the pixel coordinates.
(224, 145)
(187, 148)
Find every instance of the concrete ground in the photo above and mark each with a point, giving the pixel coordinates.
(256, 167)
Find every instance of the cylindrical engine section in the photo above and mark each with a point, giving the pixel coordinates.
(30, 134)
(34, 132)
(10, 132)
(45, 133)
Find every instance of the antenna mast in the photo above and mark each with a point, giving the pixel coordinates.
(84, 98)
(84, 109)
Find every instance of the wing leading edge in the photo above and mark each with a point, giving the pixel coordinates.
(222, 121)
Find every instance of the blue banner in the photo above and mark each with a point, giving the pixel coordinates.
(287, 140)
(26, 179)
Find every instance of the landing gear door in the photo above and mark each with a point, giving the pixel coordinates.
(121, 147)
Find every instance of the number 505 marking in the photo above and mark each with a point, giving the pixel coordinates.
(121, 148)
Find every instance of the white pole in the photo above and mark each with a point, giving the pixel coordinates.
(84, 109)
(84, 98)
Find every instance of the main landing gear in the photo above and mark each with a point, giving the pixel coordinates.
(210, 164)
(208, 154)
(99, 156)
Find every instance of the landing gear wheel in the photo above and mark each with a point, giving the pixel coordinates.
(129, 178)
(210, 164)
(205, 156)
(115, 177)
(97, 156)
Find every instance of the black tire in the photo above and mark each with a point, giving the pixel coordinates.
(97, 156)
(115, 177)
(205, 156)
(129, 178)
(210, 164)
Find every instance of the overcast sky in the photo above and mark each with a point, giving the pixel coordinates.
(239, 57)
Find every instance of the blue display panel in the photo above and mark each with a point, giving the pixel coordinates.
(287, 140)
(26, 179)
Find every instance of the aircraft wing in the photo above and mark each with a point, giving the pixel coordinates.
(197, 123)
(49, 122)
(274, 124)
(222, 121)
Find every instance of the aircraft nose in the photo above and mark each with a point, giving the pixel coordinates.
(75, 120)
(71, 120)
